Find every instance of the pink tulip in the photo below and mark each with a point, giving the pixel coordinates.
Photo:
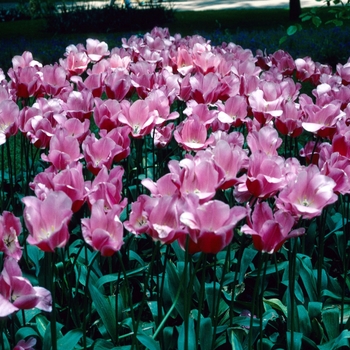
(195, 176)
(53, 79)
(17, 293)
(120, 136)
(103, 231)
(76, 63)
(64, 150)
(35, 126)
(96, 50)
(98, 152)
(265, 176)
(9, 113)
(270, 230)
(163, 135)
(234, 111)
(71, 182)
(192, 135)
(25, 60)
(184, 63)
(289, 123)
(10, 229)
(337, 167)
(138, 117)
(107, 186)
(26, 82)
(79, 104)
(205, 88)
(117, 85)
(322, 120)
(93, 83)
(25, 344)
(210, 226)
(308, 195)
(48, 228)
(265, 140)
(231, 161)
(164, 219)
(140, 210)
(106, 113)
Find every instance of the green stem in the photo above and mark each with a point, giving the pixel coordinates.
(255, 297)
(321, 227)
(87, 292)
(201, 261)
(261, 297)
(134, 325)
(51, 258)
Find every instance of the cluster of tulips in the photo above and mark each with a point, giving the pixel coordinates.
(225, 111)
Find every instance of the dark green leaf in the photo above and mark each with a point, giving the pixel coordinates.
(236, 344)
(247, 257)
(104, 309)
(304, 320)
(316, 21)
(70, 340)
(172, 286)
(148, 342)
(330, 318)
(206, 333)
(191, 337)
(25, 332)
(295, 343)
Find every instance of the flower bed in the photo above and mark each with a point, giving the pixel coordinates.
(171, 194)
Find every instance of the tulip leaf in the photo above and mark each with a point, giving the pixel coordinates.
(277, 305)
(114, 277)
(341, 342)
(41, 324)
(236, 344)
(330, 318)
(247, 257)
(206, 333)
(307, 276)
(25, 332)
(4, 341)
(304, 320)
(296, 342)
(191, 338)
(173, 285)
(105, 310)
(70, 340)
(212, 291)
(101, 344)
(147, 341)
(35, 255)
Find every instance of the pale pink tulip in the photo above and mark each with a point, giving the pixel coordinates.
(48, 227)
(210, 226)
(103, 231)
(270, 230)
(17, 293)
(308, 195)
(10, 229)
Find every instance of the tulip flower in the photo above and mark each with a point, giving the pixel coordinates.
(308, 195)
(10, 228)
(210, 226)
(270, 230)
(17, 293)
(103, 231)
(47, 220)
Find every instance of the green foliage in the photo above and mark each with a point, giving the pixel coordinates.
(340, 13)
